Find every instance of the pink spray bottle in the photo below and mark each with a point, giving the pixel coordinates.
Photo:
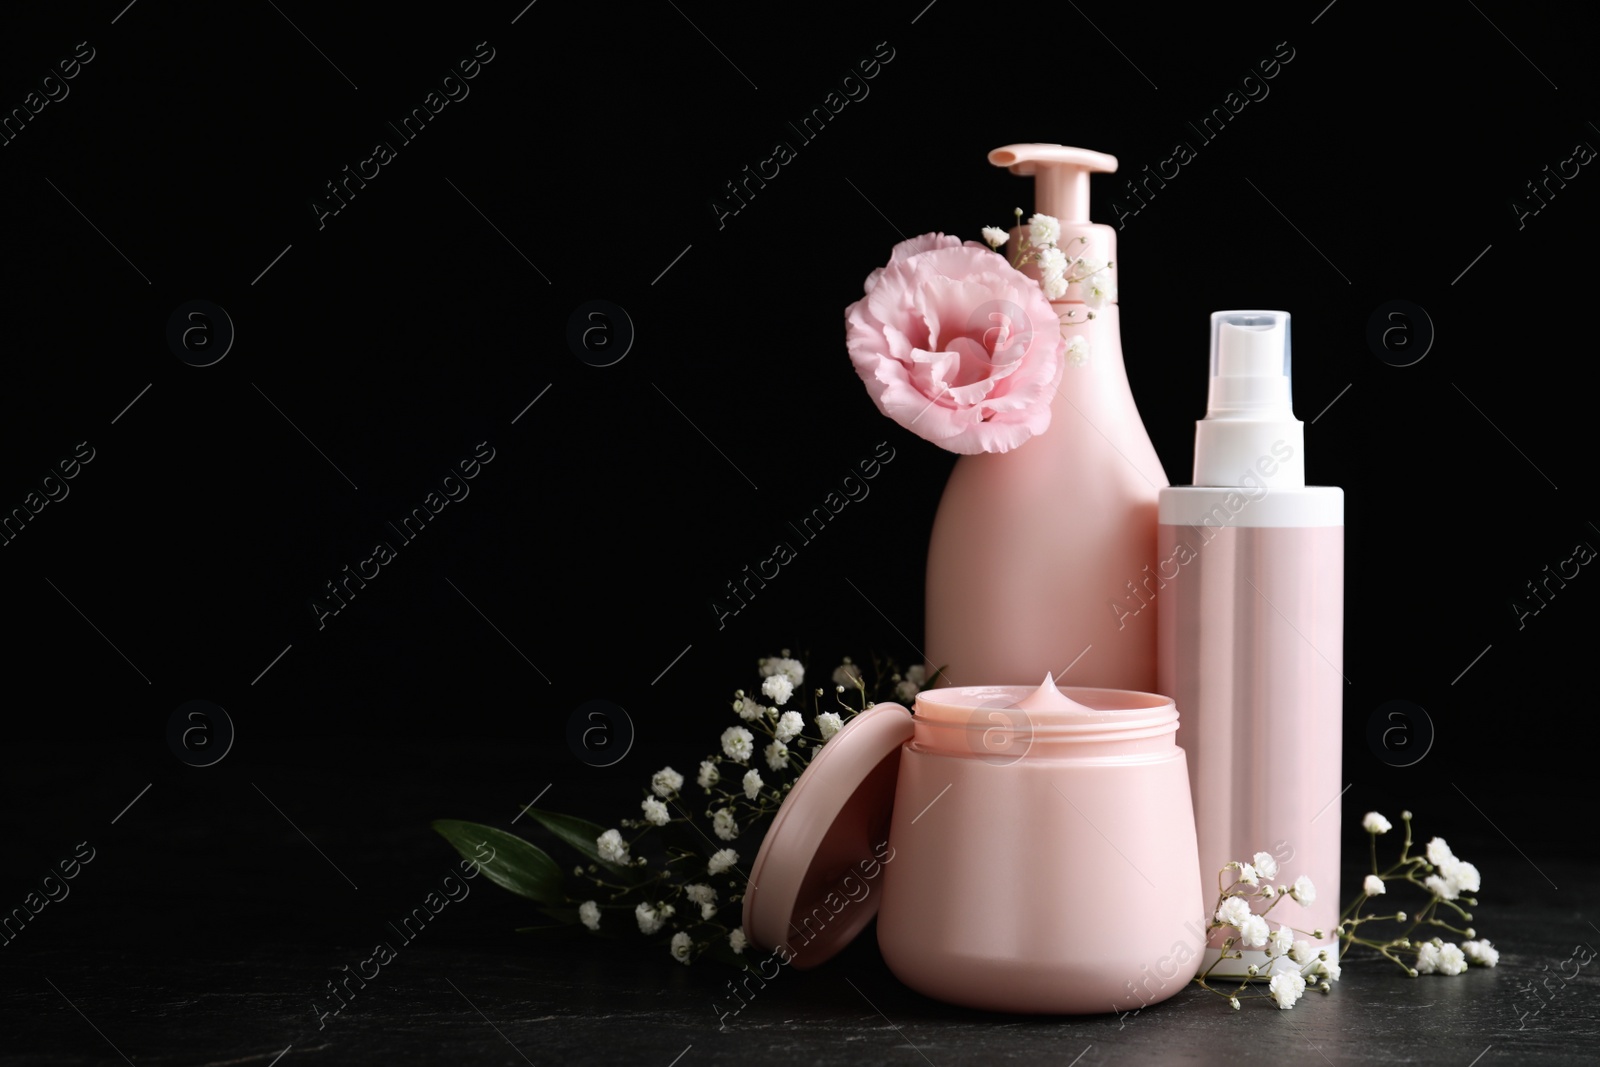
(1250, 620)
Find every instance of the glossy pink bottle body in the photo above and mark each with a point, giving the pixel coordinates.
(1251, 646)
(1036, 553)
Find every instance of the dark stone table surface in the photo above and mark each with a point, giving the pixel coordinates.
(206, 928)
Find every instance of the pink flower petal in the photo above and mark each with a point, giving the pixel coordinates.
(957, 346)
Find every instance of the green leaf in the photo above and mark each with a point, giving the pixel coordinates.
(554, 930)
(512, 863)
(581, 835)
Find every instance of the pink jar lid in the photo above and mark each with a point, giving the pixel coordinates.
(827, 831)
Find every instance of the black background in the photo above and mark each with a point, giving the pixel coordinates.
(426, 315)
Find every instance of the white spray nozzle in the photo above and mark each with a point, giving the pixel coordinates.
(1250, 350)
(1249, 424)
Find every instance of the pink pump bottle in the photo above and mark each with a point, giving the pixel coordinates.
(1250, 612)
(1035, 552)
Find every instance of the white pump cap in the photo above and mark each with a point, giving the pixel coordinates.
(1250, 429)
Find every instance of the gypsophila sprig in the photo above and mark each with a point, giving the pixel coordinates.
(1040, 244)
(1246, 893)
(670, 864)
(1445, 879)
(1292, 964)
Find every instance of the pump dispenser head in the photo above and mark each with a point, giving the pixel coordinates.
(1249, 426)
(1061, 190)
(1060, 174)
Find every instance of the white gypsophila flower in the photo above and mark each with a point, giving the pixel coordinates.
(777, 754)
(1373, 886)
(1281, 941)
(650, 918)
(737, 743)
(1482, 953)
(1303, 891)
(680, 947)
(611, 846)
(1078, 350)
(1439, 852)
(847, 673)
(1055, 287)
(995, 236)
(905, 691)
(1452, 960)
(1043, 230)
(1265, 865)
(1247, 874)
(789, 727)
(748, 709)
(778, 687)
(589, 913)
(1253, 931)
(1443, 888)
(708, 911)
(709, 775)
(666, 782)
(700, 893)
(1233, 911)
(724, 824)
(1099, 289)
(829, 724)
(1427, 957)
(1373, 823)
(1052, 263)
(791, 669)
(752, 784)
(1461, 874)
(721, 860)
(1286, 988)
(1328, 968)
(655, 812)
(1302, 952)
(736, 940)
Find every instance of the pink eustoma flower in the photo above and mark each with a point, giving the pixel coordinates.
(956, 345)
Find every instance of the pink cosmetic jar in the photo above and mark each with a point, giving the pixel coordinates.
(1024, 850)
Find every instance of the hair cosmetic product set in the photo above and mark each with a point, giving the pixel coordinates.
(1201, 630)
